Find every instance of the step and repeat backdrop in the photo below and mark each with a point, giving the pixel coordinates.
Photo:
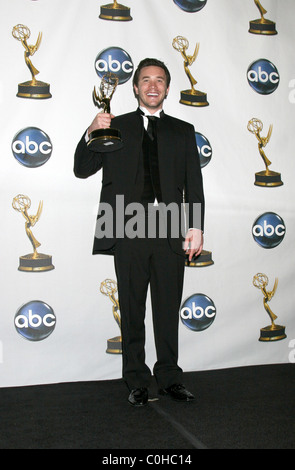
(233, 77)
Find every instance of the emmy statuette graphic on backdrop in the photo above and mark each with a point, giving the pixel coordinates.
(115, 12)
(33, 88)
(262, 26)
(103, 139)
(190, 97)
(108, 287)
(266, 178)
(272, 332)
(33, 262)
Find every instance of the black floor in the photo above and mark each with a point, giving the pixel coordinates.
(243, 408)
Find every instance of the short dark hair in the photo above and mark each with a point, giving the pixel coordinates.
(147, 63)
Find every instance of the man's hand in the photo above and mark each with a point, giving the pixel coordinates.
(193, 243)
(101, 121)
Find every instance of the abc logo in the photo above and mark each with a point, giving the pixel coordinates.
(198, 312)
(263, 76)
(190, 5)
(35, 320)
(31, 147)
(204, 148)
(115, 60)
(268, 230)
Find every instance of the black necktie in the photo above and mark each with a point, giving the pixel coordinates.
(151, 129)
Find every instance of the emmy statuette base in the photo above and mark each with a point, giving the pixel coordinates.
(204, 259)
(104, 140)
(34, 90)
(266, 27)
(268, 179)
(198, 98)
(114, 345)
(120, 13)
(37, 264)
(272, 333)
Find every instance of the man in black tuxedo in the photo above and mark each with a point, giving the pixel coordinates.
(153, 170)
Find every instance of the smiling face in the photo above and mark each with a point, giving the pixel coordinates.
(151, 89)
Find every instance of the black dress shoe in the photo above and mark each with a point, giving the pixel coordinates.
(138, 397)
(178, 392)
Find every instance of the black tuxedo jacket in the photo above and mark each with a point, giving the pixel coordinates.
(179, 169)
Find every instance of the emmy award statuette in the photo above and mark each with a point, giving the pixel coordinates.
(33, 88)
(108, 287)
(202, 260)
(115, 12)
(272, 332)
(190, 97)
(33, 262)
(103, 139)
(266, 178)
(262, 26)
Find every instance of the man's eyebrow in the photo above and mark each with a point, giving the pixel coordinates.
(149, 76)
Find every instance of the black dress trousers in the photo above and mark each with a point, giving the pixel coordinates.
(140, 263)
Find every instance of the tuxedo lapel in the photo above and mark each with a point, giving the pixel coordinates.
(132, 133)
(136, 130)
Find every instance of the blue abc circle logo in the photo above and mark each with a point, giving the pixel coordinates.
(268, 230)
(31, 147)
(115, 60)
(198, 312)
(204, 148)
(35, 320)
(263, 76)
(190, 6)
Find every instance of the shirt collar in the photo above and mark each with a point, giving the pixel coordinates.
(148, 113)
